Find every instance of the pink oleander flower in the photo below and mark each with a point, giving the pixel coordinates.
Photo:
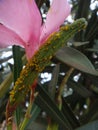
(21, 23)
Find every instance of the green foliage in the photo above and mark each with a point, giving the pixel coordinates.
(79, 100)
(36, 64)
(76, 59)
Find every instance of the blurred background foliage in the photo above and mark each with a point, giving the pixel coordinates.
(80, 91)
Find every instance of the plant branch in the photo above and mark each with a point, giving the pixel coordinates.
(36, 64)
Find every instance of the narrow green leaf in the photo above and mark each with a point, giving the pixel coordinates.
(76, 59)
(4, 87)
(34, 114)
(17, 69)
(53, 82)
(17, 61)
(46, 103)
(91, 114)
(81, 90)
(68, 113)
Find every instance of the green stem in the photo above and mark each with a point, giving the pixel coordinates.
(28, 112)
(9, 126)
(36, 64)
(53, 126)
(27, 117)
(25, 121)
(61, 88)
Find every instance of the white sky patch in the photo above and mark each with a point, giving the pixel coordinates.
(69, 18)
(62, 73)
(51, 2)
(6, 54)
(67, 92)
(45, 77)
(93, 4)
(76, 77)
(11, 61)
(27, 104)
(85, 106)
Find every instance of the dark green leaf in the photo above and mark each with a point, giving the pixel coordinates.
(76, 59)
(34, 114)
(92, 113)
(81, 90)
(4, 87)
(46, 103)
(17, 61)
(70, 115)
(54, 80)
(17, 69)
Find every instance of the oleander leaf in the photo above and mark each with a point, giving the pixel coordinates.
(76, 59)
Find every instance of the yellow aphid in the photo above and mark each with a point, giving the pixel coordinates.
(65, 28)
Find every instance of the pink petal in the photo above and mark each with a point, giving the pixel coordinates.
(8, 37)
(21, 16)
(57, 13)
